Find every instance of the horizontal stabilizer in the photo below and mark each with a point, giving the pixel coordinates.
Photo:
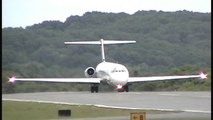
(102, 42)
(99, 42)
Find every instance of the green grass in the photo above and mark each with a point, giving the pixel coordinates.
(12, 110)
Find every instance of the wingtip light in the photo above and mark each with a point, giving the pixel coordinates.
(203, 76)
(12, 79)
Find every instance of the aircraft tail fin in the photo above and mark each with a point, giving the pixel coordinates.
(101, 42)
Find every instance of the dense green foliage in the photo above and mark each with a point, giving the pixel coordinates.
(168, 43)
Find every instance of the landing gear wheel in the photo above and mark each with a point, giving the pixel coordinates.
(94, 88)
(126, 88)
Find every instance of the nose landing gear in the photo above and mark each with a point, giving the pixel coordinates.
(122, 88)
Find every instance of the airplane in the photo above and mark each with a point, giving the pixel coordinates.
(113, 74)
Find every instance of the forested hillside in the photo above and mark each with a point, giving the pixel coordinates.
(168, 43)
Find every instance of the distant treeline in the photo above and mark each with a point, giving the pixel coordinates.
(168, 43)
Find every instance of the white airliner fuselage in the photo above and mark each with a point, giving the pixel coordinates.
(111, 73)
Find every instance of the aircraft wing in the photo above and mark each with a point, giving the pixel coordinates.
(158, 78)
(68, 80)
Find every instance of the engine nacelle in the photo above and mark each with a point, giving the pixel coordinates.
(90, 72)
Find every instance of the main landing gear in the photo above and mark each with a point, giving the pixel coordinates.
(126, 88)
(94, 88)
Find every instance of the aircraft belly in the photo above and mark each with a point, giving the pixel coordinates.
(114, 81)
(118, 80)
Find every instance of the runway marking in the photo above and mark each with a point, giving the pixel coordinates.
(169, 94)
(105, 106)
(184, 95)
(205, 96)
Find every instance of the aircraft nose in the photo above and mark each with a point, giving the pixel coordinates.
(119, 79)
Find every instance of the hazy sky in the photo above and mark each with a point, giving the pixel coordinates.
(22, 13)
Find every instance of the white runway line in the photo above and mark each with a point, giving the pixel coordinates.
(167, 94)
(170, 94)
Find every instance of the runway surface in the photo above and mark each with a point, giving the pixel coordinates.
(188, 102)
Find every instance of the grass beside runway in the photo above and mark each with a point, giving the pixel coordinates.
(12, 110)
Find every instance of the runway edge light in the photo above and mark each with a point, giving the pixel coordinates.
(138, 116)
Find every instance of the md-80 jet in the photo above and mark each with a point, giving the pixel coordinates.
(113, 74)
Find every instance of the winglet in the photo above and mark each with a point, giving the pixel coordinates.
(202, 75)
(12, 79)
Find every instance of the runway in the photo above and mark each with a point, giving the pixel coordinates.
(187, 102)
